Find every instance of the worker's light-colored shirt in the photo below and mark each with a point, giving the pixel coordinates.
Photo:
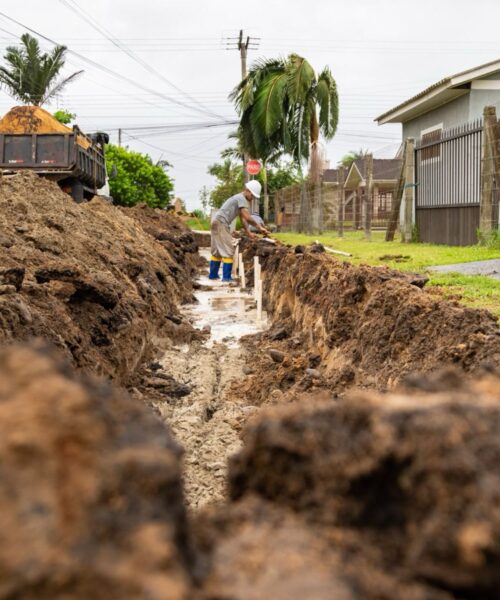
(259, 220)
(228, 212)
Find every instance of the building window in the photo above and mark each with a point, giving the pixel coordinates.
(432, 136)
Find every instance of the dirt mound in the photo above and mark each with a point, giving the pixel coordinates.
(91, 502)
(358, 325)
(34, 119)
(88, 277)
(408, 480)
(259, 550)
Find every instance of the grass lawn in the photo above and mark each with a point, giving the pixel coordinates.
(473, 290)
(198, 224)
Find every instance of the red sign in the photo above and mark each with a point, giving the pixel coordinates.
(253, 167)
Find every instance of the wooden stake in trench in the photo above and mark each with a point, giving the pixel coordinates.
(236, 259)
(241, 269)
(256, 266)
(258, 287)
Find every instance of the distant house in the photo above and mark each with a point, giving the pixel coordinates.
(445, 122)
(385, 177)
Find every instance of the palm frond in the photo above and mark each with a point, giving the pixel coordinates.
(58, 87)
(267, 110)
(301, 77)
(329, 103)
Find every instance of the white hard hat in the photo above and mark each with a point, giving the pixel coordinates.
(254, 187)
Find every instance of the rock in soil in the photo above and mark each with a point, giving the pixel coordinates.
(276, 355)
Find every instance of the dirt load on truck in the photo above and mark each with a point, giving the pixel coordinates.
(32, 139)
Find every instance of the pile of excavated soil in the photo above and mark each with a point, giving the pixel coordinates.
(89, 277)
(371, 497)
(337, 325)
(396, 496)
(91, 500)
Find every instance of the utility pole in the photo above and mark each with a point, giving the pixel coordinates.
(243, 45)
(119, 137)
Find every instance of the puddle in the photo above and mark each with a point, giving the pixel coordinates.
(230, 312)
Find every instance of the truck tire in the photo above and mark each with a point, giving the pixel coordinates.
(77, 192)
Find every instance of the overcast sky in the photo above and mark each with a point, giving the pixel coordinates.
(380, 52)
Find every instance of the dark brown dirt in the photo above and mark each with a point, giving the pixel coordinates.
(353, 497)
(356, 326)
(328, 500)
(409, 481)
(90, 490)
(260, 550)
(90, 278)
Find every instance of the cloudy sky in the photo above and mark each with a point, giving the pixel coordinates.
(169, 65)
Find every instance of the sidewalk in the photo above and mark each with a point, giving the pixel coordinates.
(490, 268)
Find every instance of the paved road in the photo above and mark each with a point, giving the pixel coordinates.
(491, 268)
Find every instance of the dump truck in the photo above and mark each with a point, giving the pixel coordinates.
(31, 138)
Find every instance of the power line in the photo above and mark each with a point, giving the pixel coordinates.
(104, 68)
(73, 6)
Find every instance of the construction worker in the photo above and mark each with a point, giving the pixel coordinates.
(222, 240)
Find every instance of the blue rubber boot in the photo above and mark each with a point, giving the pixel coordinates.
(227, 268)
(214, 268)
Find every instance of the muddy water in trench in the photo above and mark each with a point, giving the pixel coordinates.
(208, 421)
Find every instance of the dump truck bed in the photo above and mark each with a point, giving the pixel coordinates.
(30, 138)
(55, 154)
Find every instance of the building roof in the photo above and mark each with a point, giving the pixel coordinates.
(331, 175)
(383, 168)
(437, 94)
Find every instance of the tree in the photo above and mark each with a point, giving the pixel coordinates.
(137, 179)
(350, 157)
(282, 174)
(64, 116)
(283, 107)
(204, 196)
(32, 77)
(229, 181)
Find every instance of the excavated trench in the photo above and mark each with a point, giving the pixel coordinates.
(207, 421)
(349, 449)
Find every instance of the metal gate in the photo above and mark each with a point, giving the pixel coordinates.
(448, 185)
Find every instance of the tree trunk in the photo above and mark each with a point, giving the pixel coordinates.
(314, 212)
(266, 195)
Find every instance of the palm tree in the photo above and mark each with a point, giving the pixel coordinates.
(351, 156)
(283, 107)
(30, 76)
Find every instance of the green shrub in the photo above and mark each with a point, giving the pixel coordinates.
(137, 179)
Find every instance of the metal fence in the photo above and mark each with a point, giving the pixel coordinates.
(448, 170)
